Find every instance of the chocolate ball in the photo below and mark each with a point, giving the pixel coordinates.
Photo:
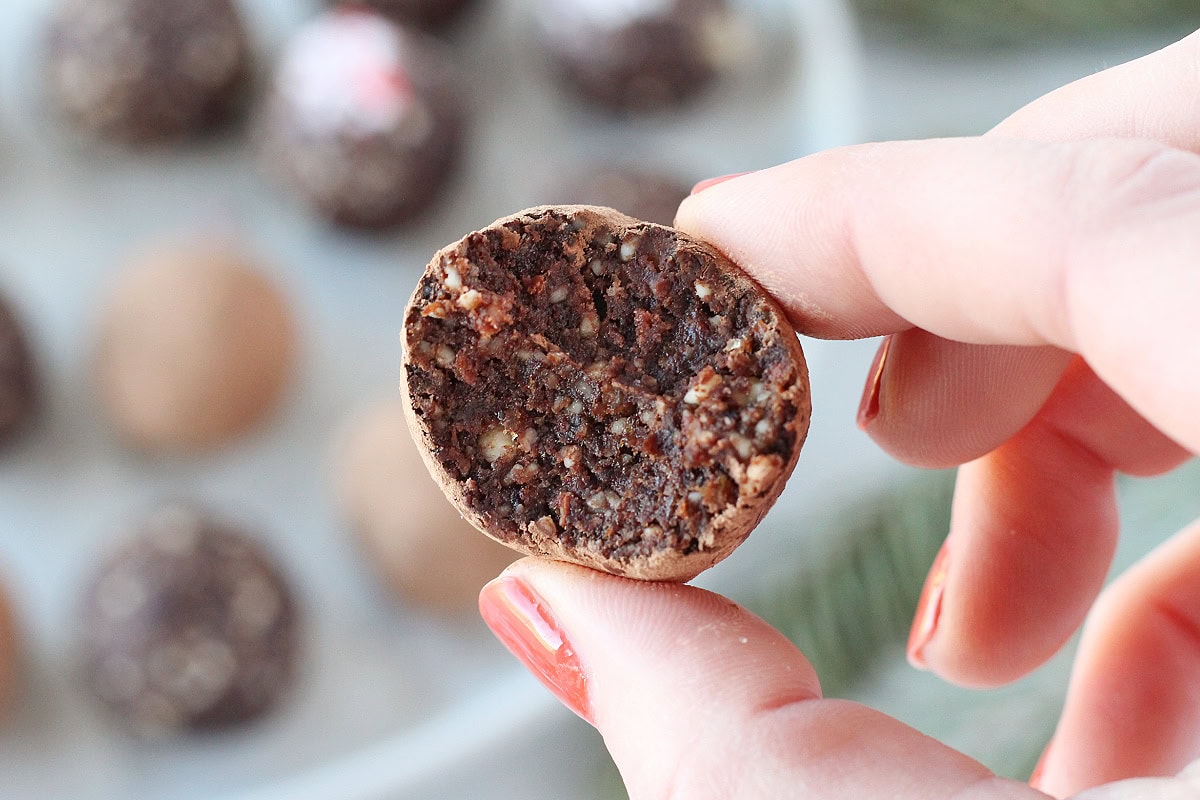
(363, 120)
(10, 654)
(144, 71)
(601, 390)
(637, 55)
(195, 348)
(414, 539)
(18, 383)
(189, 627)
(421, 13)
(640, 193)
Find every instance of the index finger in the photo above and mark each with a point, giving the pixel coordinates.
(1089, 246)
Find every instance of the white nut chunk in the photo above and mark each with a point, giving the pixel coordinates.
(703, 290)
(495, 442)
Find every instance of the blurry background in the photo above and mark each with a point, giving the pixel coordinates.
(397, 690)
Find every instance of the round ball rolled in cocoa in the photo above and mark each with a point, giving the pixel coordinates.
(414, 539)
(196, 347)
(190, 626)
(19, 395)
(593, 388)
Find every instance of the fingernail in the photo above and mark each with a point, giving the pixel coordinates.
(526, 625)
(929, 608)
(1035, 778)
(708, 183)
(868, 407)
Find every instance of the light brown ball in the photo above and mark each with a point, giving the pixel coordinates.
(420, 546)
(10, 654)
(195, 348)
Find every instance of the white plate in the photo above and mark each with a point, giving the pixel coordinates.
(390, 700)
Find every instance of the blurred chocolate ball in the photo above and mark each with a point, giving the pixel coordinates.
(189, 627)
(363, 121)
(196, 347)
(411, 535)
(429, 14)
(18, 381)
(145, 71)
(641, 193)
(636, 56)
(10, 654)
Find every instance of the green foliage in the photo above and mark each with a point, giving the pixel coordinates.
(860, 598)
(968, 22)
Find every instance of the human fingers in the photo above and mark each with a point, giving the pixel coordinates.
(956, 414)
(1089, 247)
(697, 698)
(1132, 705)
(1032, 533)
(1154, 97)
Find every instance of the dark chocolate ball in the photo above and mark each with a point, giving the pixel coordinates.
(640, 193)
(363, 121)
(422, 13)
(189, 627)
(18, 384)
(637, 55)
(143, 71)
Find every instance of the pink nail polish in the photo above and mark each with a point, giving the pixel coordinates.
(526, 625)
(868, 407)
(929, 609)
(708, 183)
(1035, 778)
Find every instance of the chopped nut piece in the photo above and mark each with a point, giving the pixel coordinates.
(559, 294)
(629, 249)
(453, 280)
(470, 300)
(495, 442)
(703, 291)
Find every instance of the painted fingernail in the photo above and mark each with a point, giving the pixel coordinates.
(1035, 777)
(708, 183)
(929, 609)
(526, 625)
(868, 407)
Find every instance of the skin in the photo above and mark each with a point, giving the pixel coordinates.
(1039, 286)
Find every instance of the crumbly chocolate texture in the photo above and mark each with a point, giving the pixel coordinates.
(641, 193)
(363, 122)
(636, 56)
(19, 396)
(190, 627)
(601, 390)
(146, 71)
(427, 14)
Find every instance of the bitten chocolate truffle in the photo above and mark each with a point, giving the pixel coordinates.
(428, 14)
(601, 390)
(195, 348)
(18, 381)
(638, 55)
(641, 193)
(363, 120)
(189, 627)
(413, 538)
(145, 71)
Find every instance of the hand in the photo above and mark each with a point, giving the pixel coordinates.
(1039, 287)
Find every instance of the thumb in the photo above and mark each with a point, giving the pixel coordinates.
(697, 697)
